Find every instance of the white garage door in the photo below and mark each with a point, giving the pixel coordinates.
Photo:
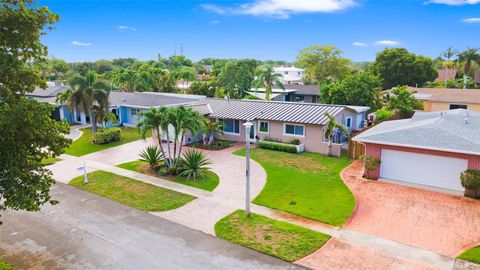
(435, 171)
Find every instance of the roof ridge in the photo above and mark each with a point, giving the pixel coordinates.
(283, 102)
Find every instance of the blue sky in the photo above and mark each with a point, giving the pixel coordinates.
(261, 29)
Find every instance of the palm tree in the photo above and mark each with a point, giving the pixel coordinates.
(449, 53)
(468, 57)
(330, 129)
(211, 128)
(182, 120)
(267, 78)
(155, 119)
(65, 98)
(90, 96)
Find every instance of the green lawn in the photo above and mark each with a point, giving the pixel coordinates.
(209, 182)
(6, 266)
(306, 184)
(143, 196)
(276, 238)
(84, 145)
(471, 255)
(49, 161)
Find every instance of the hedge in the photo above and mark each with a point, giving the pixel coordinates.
(107, 135)
(471, 179)
(283, 147)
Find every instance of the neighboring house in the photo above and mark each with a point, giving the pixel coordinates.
(476, 80)
(292, 92)
(446, 75)
(49, 95)
(430, 149)
(290, 75)
(282, 120)
(440, 99)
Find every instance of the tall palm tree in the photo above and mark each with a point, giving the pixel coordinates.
(267, 78)
(155, 119)
(468, 57)
(183, 119)
(65, 98)
(211, 128)
(90, 96)
(330, 129)
(449, 53)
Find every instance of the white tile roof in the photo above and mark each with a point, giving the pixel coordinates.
(451, 131)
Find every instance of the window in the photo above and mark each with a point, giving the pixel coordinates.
(135, 111)
(457, 106)
(348, 122)
(231, 126)
(285, 72)
(263, 127)
(294, 130)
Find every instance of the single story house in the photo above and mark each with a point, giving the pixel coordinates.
(446, 75)
(440, 99)
(431, 149)
(281, 120)
(49, 95)
(292, 92)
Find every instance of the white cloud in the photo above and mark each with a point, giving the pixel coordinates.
(387, 43)
(359, 44)
(283, 9)
(471, 20)
(124, 27)
(454, 2)
(215, 22)
(82, 44)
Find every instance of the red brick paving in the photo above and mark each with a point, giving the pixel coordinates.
(431, 220)
(338, 254)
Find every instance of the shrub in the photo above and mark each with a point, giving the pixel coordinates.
(276, 146)
(471, 179)
(294, 141)
(194, 164)
(384, 114)
(371, 164)
(271, 139)
(152, 155)
(107, 135)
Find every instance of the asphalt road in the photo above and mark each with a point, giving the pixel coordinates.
(86, 231)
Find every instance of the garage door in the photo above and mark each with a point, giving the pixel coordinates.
(435, 171)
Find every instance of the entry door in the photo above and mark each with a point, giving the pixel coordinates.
(428, 170)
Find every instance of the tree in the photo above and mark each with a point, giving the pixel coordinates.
(186, 74)
(468, 57)
(65, 98)
(267, 78)
(166, 83)
(397, 66)
(402, 102)
(362, 89)
(90, 96)
(207, 88)
(210, 129)
(235, 78)
(330, 129)
(449, 53)
(154, 119)
(27, 133)
(323, 62)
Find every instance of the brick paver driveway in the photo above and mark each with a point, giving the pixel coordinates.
(431, 220)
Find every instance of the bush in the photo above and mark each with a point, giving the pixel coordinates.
(276, 146)
(194, 164)
(152, 155)
(107, 135)
(294, 141)
(271, 139)
(383, 114)
(471, 179)
(371, 164)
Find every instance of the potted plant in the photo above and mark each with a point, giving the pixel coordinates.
(471, 182)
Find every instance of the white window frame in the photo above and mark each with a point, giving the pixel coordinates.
(284, 133)
(268, 127)
(136, 110)
(231, 133)
(346, 122)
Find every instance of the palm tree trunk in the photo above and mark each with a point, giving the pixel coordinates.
(180, 149)
(211, 139)
(93, 121)
(168, 146)
(159, 138)
(330, 146)
(464, 81)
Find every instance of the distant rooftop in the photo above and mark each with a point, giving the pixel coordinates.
(447, 95)
(446, 74)
(453, 131)
(151, 99)
(282, 68)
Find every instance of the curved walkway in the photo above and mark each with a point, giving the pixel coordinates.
(430, 220)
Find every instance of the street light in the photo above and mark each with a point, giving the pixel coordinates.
(248, 125)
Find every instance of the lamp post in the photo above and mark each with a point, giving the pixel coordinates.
(248, 125)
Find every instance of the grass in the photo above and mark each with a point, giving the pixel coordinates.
(306, 184)
(143, 196)
(471, 255)
(209, 182)
(84, 145)
(276, 238)
(6, 266)
(49, 161)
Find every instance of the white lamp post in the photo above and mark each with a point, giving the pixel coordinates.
(248, 125)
